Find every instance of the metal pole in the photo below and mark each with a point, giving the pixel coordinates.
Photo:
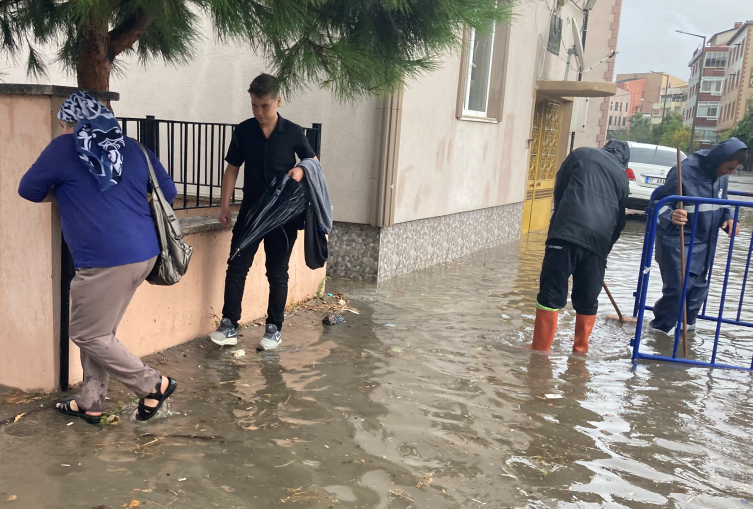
(666, 93)
(698, 95)
(682, 261)
(580, 73)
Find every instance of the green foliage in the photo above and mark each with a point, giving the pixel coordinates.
(353, 47)
(670, 132)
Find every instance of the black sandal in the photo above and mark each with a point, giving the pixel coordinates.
(144, 413)
(64, 407)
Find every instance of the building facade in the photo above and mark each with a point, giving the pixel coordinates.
(705, 92)
(737, 90)
(705, 87)
(620, 111)
(472, 147)
(647, 89)
(672, 100)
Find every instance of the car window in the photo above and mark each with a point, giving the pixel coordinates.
(655, 155)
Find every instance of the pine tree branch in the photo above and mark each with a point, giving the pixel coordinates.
(127, 33)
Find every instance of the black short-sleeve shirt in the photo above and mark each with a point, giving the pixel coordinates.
(264, 158)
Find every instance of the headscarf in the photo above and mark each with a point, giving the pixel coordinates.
(99, 139)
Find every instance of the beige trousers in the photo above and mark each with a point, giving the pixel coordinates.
(99, 299)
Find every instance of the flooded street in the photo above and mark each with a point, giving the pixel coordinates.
(427, 399)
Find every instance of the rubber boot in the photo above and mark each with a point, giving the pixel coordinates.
(543, 331)
(584, 324)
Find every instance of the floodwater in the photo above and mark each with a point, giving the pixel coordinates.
(427, 399)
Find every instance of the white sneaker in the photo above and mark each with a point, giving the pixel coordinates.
(271, 340)
(225, 335)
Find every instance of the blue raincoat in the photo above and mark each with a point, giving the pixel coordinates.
(699, 180)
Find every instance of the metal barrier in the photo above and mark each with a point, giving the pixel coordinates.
(193, 154)
(645, 272)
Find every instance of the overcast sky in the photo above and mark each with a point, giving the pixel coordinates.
(648, 41)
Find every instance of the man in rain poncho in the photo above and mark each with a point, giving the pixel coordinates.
(705, 174)
(590, 194)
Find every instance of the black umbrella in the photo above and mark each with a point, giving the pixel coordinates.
(283, 201)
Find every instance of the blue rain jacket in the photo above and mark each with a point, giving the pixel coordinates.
(698, 180)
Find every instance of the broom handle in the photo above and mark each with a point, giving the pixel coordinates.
(682, 259)
(609, 294)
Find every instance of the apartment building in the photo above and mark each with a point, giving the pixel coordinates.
(737, 89)
(707, 69)
(619, 110)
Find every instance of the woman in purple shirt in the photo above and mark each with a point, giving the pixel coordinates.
(100, 180)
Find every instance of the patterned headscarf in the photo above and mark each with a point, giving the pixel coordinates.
(99, 139)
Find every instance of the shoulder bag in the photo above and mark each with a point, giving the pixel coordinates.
(175, 254)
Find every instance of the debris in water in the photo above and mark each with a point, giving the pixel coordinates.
(396, 349)
(401, 494)
(64, 465)
(181, 480)
(11, 499)
(390, 325)
(333, 319)
(239, 353)
(553, 396)
(352, 311)
(69, 424)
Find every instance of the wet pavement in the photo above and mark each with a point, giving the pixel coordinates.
(427, 399)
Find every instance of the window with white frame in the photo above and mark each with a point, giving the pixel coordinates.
(479, 73)
(712, 85)
(716, 59)
(706, 134)
(708, 109)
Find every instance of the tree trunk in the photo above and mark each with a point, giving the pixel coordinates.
(94, 61)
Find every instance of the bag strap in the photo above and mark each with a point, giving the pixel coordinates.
(152, 175)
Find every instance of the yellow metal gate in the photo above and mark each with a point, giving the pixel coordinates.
(542, 165)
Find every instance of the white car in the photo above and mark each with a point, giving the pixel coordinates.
(647, 170)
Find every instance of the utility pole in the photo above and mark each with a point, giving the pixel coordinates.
(700, 81)
(666, 93)
(580, 73)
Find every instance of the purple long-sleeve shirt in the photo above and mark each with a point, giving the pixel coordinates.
(102, 229)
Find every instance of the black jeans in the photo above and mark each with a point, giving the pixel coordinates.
(278, 245)
(561, 260)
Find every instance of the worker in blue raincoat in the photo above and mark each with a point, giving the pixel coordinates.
(705, 174)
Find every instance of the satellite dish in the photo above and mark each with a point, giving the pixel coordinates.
(579, 57)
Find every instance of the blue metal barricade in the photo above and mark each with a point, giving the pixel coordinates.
(645, 273)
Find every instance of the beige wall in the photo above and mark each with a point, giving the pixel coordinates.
(213, 88)
(737, 99)
(27, 316)
(449, 165)
(158, 318)
(601, 23)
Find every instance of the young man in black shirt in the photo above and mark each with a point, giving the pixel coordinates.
(267, 146)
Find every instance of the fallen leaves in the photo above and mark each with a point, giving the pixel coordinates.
(300, 495)
(12, 497)
(133, 504)
(18, 417)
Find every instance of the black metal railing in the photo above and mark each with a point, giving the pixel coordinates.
(193, 155)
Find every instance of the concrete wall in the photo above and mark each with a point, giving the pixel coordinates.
(449, 165)
(602, 36)
(158, 318)
(27, 312)
(213, 88)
